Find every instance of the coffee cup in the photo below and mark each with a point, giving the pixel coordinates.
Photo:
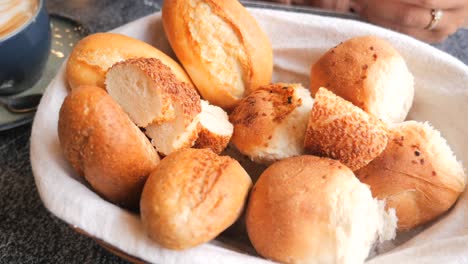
(24, 44)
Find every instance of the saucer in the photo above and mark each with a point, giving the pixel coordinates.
(65, 33)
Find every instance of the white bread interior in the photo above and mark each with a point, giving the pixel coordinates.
(145, 99)
(154, 99)
(215, 128)
(170, 136)
(393, 90)
(288, 136)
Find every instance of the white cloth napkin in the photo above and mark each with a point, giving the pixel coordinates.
(298, 40)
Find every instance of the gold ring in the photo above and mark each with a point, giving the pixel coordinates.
(436, 17)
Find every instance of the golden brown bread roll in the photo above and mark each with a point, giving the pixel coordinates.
(340, 130)
(215, 128)
(221, 46)
(193, 196)
(270, 123)
(95, 54)
(368, 72)
(417, 174)
(103, 144)
(154, 99)
(308, 209)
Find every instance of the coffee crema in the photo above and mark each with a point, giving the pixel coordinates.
(15, 13)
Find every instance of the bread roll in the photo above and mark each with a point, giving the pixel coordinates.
(182, 132)
(94, 55)
(221, 46)
(417, 174)
(270, 123)
(368, 72)
(342, 131)
(215, 128)
(103, 144)
(308, 209)
(148, 90)
(153, 97)
(193, 196)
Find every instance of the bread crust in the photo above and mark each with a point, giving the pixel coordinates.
(302, 210)
(94, 55)
(207, 139)
(258, 117)
(340, 130)
(193, 196)
(103, 144)
(414, 176)
(352, 69)
(256, 66)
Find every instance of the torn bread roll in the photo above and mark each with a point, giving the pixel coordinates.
(270, 123)
(103, 144)
(340, 130)
(192, 197)
(308, 209)
(417, 174)
(215, 128)
(182, 131)
(94, 55)
(370, 73)
(223, 49)
(154, 99)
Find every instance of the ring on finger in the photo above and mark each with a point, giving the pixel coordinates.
(437, 15)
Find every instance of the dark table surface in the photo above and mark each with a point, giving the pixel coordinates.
(28, 232)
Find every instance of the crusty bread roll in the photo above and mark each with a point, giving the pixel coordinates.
(340, 130)
(193, 196)
(182, 132)
(368, 72)
(221, 46)
(94, 55)
(153, 98)
(103, 144)
(215, 128)
(417, 174)
(270, 123)
(308, 209)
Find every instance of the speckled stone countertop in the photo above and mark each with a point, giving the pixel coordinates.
(28, 232)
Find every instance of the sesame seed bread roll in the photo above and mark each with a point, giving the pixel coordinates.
(152, 96)
(368, 72)
(192, 196)
(308, 209)
(223, 49)
(94, 55)
(270, 123)
(181, 132)
(215, 128)
(417, 174)
(340, 130)
(103, 144)
(145, 88)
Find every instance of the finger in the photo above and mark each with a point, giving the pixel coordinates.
(437, 4)
(421, 34)
(395, 12)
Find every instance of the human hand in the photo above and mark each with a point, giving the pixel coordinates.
(413, 17)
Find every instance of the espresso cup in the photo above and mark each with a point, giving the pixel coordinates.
(24, 44)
